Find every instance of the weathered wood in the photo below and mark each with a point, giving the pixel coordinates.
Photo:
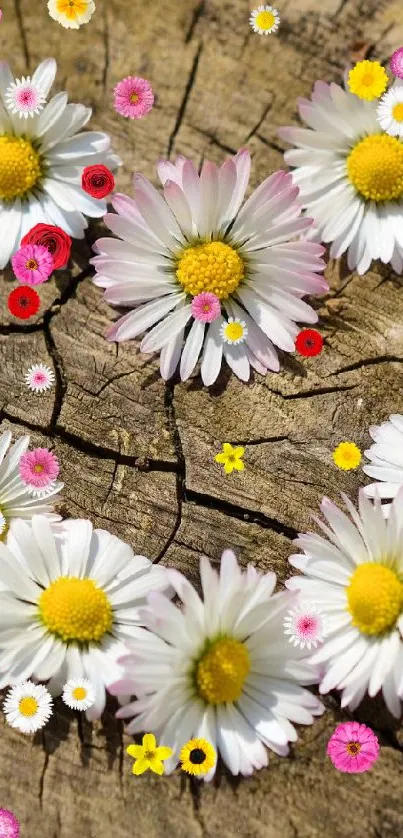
(137, 456)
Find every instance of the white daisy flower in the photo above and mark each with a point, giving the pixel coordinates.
(201, 241)
(24, 98)
(68, 603)
(350, 175)
(219, 669)
(265, 20)
(78, 694)
(233, 331)
(41, 163)
(390, 111)
(71, 13)
(39, 378)
(304, 624)
(28, 707)
(386, 457)
(355, 575)
(16, 500)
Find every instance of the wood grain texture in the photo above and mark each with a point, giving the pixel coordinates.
(137, 455)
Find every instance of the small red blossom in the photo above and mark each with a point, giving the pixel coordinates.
(98, 181)
(23, 302)
(54, 239)
(309, 343)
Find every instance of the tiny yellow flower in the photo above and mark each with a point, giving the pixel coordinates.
(148, 755)
(197, 757)
(347, 456)
(231, 458)
(368, 80)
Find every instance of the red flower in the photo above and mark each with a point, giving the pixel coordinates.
(54, 239)
(23, 302)
(309, 343)
(98, 181)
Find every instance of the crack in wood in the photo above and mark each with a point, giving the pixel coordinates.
(182, 108)
(196, 16)
(247, 515)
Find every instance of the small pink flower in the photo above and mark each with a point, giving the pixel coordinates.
(38, 468)
(24, 98)
(32, 264)
(206, 307)
(134, 97)
(39, 378)
(9, 826)
(353, 748)
(304, 624)
(396, 63)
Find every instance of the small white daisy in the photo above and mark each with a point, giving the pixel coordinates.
(233, 330)
(386, 460)
(264, 20)
(390, 111)
(28, 707)
(78, 694)
(40, 378)
(304, 623)
(24, 98)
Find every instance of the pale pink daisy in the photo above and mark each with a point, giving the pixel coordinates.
(32, 264)
(396, 63)
(206, 307)
(39, 469)
(134, 97)
(353, 748)
(39, 378)
(9, 826)
(304, 624)
(24, 98)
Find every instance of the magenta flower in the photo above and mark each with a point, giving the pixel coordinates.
(353, 748)
(32, 264)
(206, 307)
(134, 97)
(396, 63)
(39, 469)
(9, 826)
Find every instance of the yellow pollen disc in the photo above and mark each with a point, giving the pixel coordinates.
(28, 706)
(76, 610)
(32, 265)
(397, 112)
(214, 267)
(72, 8)
(375, 598)
(375, 168)
(353, 748)
(221, 671)
(79, 693)
(234, 331)
(134, 98)
(38, 469)
(265, 20)
(20, 167)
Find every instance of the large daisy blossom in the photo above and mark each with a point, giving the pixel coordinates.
(386, 460)
(199, 239)
(41, 162)
(219, 669)
(16, 498)
(355, 575)
(69, 602)
(350, 175)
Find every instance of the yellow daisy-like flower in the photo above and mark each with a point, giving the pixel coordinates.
(368, 80)
(197, 757)
(71, 13)
(231, 458)
(148, 755)
(347, 456)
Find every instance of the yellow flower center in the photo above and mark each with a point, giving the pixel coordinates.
(397, 112)
(28, 706)
(375, 168)
(353, 748)
(265, 20)
(221, 671)
(38, 468)
(375, 598)
(76, 610)
(20, 168)
(149, 755)
(72, 8)
(134, 98)
(79, 693)
(32, 265)
(234, 331)
(214, 267)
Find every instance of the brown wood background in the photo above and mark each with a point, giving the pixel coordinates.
(137, 455)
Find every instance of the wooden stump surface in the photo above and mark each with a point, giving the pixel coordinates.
(137, 455)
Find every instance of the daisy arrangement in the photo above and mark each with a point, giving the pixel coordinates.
(16, 496)
(205, 275)
(349, 166)
(41, 160)
(69, 601)
(264, 20)
(355, 575)
(386, 460)
(28, 706)
(78, 694)
(218, 669)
